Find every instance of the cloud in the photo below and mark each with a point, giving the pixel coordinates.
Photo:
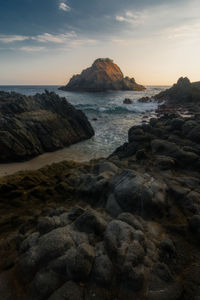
(41, 38)
(130, 17)
(32, 49)
(189, 31)
(64, 6)
(12, 38)
(82, 42)
(56, 38)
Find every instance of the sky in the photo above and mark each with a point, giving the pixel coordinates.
(45, 42)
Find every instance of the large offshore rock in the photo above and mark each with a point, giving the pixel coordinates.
(103, 75)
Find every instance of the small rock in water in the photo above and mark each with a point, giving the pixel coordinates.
(128, 101)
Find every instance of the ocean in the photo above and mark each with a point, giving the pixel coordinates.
(109, 117)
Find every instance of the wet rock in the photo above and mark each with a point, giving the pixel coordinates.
(145, 99)
(127, 101)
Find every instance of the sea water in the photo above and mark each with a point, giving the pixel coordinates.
(110, 118)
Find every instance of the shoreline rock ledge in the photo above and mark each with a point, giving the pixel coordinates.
(102, 76)
(36, 124)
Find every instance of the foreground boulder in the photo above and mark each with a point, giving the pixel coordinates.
(36, 124)
(103, 75)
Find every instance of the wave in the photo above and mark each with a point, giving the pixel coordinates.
(125, 109)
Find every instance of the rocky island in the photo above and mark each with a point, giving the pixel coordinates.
(32, 125)
(102, 76)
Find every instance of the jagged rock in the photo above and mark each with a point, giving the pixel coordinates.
(103, 75)
(36, 124)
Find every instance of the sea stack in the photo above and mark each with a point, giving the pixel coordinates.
(102, 76)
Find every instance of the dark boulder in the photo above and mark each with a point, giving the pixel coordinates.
(36, 124)
(128, 101)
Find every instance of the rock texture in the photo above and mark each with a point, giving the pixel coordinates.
(45, 122)
(126, 227)
(103, 75)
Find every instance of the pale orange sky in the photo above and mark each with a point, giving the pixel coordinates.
(155, 44)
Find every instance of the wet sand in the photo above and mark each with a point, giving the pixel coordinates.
(78, 152)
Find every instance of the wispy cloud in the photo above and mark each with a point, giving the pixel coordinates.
(131, 17)
(189, 31)
(64, 6)
(32, 49)
(42, 38)
(56, 38)
(82, 42)
(12, 38)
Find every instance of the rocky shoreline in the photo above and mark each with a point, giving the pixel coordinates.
(125, 227)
